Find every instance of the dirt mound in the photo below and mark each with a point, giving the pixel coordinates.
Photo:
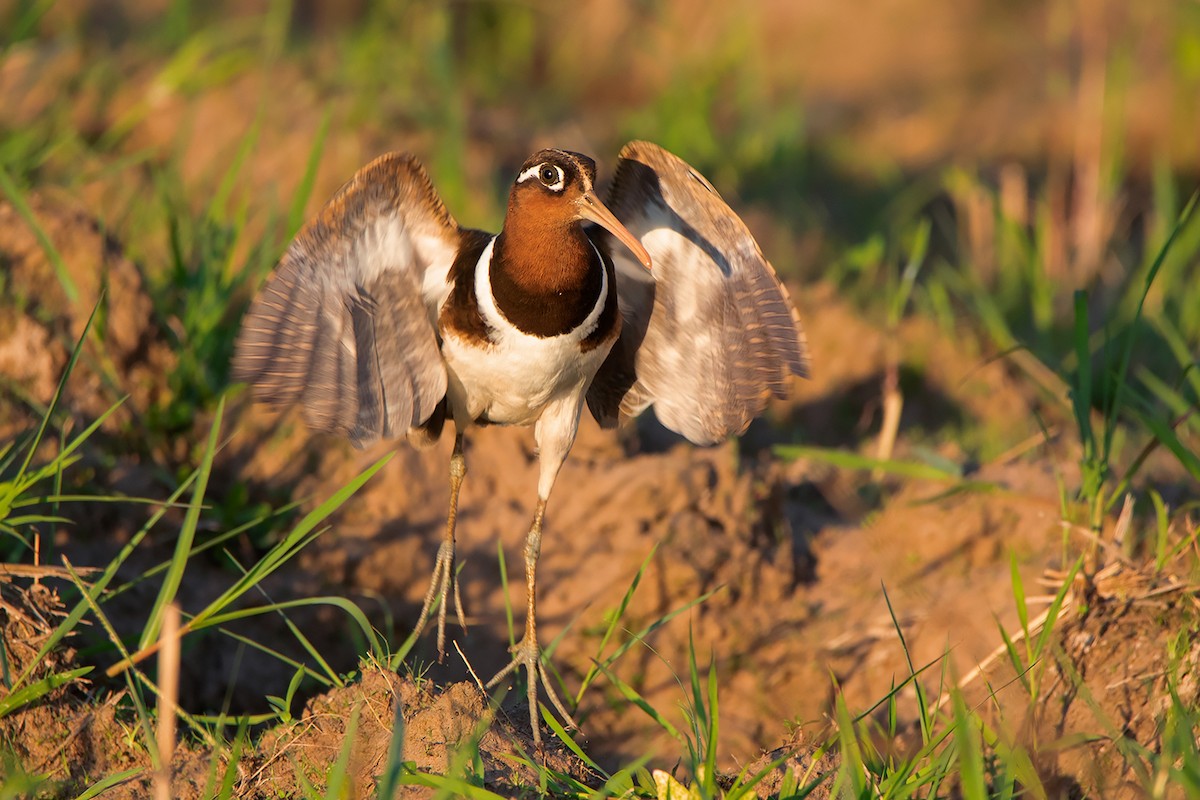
(439, 725)
(1118, 673)
(54, 270)
(77, 737)
(71, 735)
(51, 286)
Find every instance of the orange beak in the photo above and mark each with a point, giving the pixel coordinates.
(591, 209)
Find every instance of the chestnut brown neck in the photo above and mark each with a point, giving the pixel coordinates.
(546, 276)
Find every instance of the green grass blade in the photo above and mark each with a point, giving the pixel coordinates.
(1019, 593)
(1055, 606)
(230, 776)
(714, 728)
(1135, 755)
(644, 633)
(218, 205)
(345, 604)
(241, 719)
(1162, 529)
(508, 610)
(31, 519)
(563, 736)
(1081, 392)
(388, 787)
(908, 278)
(329, 679)
(698, 712)
(209, 544)
(631, 694)
(922, 702)
(187, 534)
(133, 678)
(116, 779)
(1165, 434)
(94, 591)
(1020, 669)
(851, 778)
(1016, 762)
(292, 543)
(304, 190)
(39, 689)
(846, 460)
(45, 499)
(58, 391)
(25, 25)
(308, 646)
(17, 198)
(614, 621)
(449, 787)
(621, 783)
(336, 785)
(970, 752)
(1130, 339)
(1170, 396)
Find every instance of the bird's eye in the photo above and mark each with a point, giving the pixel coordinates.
(549, 174)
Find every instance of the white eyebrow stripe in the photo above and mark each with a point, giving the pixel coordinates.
(532, 172)
(529, 173)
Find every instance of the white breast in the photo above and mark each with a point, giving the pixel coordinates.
(513, 380)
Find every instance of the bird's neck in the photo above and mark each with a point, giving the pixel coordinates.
(544, 259)
(546, 279)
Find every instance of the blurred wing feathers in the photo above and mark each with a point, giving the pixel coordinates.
(709, 333)
(346, 325)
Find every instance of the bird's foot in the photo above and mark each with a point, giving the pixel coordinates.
(527, 654)
(444, 578)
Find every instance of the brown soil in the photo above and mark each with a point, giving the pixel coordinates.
(796, 559)
(438, 722)
(1112, 673)
(77, 738)
(797, 556)
(124, 352)
(72, 736)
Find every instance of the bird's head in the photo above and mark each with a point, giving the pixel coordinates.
(555, 187)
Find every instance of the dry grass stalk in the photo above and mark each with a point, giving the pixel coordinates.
(168, 696)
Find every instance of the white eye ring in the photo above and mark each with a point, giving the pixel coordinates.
(550, 175)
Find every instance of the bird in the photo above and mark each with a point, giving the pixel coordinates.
(385, 317)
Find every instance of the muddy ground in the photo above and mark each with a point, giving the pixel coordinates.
(801, 559)
(797, 558)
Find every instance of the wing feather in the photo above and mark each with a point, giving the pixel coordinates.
(710, 334)
(346, 326)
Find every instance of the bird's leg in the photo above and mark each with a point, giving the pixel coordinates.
(527, 653)
(444, 574)
(555, 434)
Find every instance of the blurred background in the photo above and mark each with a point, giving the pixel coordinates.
(835, 123)
(1047, 145)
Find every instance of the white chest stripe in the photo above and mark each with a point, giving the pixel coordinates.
(496, 320)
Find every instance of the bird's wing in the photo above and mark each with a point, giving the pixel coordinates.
(346, 326)
(709, 332)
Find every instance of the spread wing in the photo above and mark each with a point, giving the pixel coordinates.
(710, 332)
(346, 325)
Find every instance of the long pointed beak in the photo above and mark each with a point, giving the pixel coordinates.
(591, 209)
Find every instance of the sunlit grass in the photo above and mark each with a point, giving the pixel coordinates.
(1113, 349)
